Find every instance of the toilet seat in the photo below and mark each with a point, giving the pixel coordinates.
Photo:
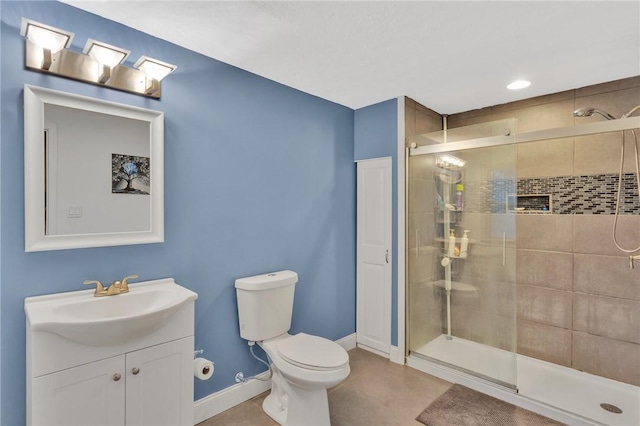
(312, 352)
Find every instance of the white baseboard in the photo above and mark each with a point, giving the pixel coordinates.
(395, 355)
(373, 350)
(220, 401)
(348, 342)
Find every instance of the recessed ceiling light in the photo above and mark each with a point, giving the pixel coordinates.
(520, 84)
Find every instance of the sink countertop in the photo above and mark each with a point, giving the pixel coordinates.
(100, 321)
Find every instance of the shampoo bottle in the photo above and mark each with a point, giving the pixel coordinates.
(459, 200)
(452, 243)
(464, 243)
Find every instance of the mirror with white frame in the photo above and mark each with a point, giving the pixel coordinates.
(93, 172)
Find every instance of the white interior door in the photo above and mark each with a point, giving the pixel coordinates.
(373, 310)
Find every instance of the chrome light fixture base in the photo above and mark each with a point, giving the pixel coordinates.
(100, 63)
(78, 66)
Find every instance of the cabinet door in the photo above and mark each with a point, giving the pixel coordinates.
(160, 384)
(87, 395)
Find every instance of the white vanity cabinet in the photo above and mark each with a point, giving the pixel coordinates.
(83, 395)
(151, 386)
(159, 384)
(146, 380)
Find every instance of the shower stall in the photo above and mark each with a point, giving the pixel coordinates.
(475, 228)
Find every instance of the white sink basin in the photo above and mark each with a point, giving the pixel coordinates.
(108, 320)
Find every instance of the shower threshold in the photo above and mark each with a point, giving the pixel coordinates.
(562, 393)
(496, 365)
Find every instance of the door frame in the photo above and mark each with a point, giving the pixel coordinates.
(387, 163)
(399, 353)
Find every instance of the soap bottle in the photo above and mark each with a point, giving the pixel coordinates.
(464, 243)
(452, 243)
(459, 202)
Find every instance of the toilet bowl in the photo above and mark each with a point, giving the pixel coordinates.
(303, 365)
(308, 360)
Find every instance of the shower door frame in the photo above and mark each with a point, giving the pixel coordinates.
(584, 129)
(533, 136)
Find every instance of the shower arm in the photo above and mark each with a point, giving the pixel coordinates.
(634, 109)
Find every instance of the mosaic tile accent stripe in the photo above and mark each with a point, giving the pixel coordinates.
(587, 194)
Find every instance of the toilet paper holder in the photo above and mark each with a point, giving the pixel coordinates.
(203, 368)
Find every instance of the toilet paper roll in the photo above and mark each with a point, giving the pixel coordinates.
(202, 368)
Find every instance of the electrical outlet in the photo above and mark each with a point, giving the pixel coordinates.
(75, 212)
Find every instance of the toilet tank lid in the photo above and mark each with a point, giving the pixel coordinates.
(267, 281)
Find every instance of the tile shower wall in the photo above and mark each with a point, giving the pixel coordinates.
(578, 302)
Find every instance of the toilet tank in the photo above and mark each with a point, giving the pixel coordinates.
(265, 304)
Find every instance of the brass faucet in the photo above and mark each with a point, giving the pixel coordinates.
(116, 287)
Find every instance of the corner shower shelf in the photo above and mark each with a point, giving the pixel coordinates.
(445, 253)
(458, 240)
(455, 286)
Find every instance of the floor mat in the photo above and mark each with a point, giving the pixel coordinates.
(462, 406)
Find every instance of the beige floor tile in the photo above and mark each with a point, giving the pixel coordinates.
(248, 413)
(351, 407)
(377, 392)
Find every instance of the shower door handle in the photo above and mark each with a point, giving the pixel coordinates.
(386, 255)
(504, 248)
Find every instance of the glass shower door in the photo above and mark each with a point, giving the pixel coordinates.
(461, 289)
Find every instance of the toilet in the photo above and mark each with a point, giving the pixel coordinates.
(303, 365)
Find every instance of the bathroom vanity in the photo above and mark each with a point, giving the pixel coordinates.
(117, 360)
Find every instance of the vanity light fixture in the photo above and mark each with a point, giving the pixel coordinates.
(47, 51)
(518, 84)
(107, 57)
(49, 40)
(155, 70)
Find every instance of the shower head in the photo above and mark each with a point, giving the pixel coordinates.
(589, 111)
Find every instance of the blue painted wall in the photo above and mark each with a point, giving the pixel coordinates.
(376, 135)
(258, 177)
(376, 131)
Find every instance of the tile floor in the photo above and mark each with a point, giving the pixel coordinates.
(378, 392)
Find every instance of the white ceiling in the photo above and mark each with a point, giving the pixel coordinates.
(451, 56)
